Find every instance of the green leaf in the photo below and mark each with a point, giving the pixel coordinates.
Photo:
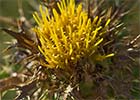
(9, 95)
(3, 74)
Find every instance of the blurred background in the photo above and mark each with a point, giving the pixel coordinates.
(10, 13)
(9, 16)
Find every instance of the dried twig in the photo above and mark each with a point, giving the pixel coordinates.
(9, 83)
(26, 89)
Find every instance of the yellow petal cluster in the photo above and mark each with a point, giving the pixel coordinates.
(68, 35)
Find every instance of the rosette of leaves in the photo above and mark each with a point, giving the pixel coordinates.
(72, 49)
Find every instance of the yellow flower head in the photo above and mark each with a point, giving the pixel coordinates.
(68, 35)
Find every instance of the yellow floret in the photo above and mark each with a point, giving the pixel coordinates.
(69, 35)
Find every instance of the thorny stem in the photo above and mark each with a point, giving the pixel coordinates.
(22, 15)
(97, 5)
(77, 95)
(134, 40)
(20, 8)
(8, 21)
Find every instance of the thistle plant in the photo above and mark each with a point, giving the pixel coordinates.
(67, 36)
(70, 53)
